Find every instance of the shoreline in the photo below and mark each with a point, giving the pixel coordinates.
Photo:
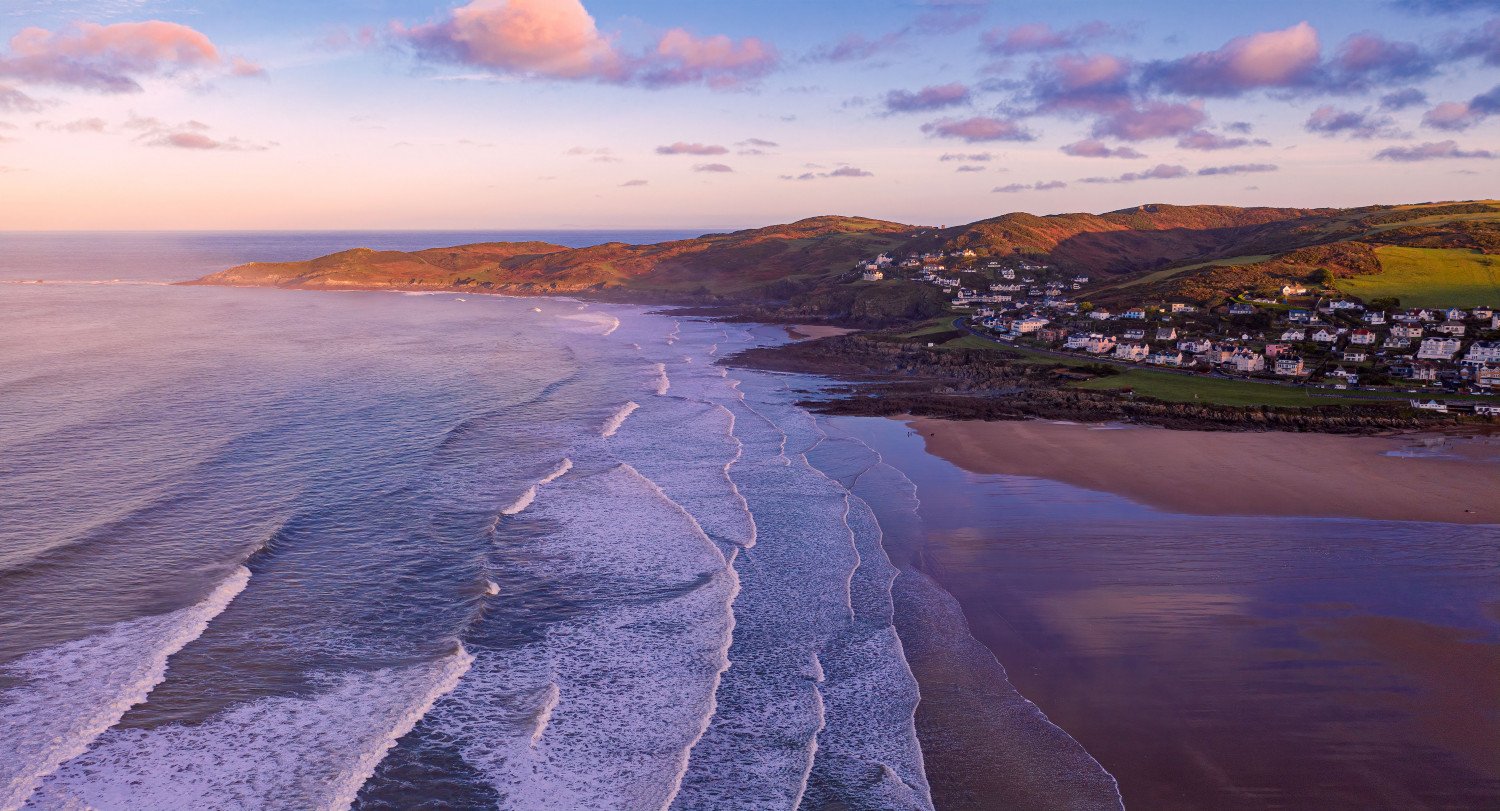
(1430, 477)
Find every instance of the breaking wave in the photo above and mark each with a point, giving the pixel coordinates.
(76, 691)
(617, 419)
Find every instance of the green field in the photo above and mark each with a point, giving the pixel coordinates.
(1430, 277)
(1170, 272)
(1191, 388)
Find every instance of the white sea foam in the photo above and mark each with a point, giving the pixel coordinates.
(617, 419)
(613, 326)
(522, 502)
(311, 752)
(550, 698)
(529, 495)
(663, 383)
(491, 588)
(601, 709)
(73, 693)
(562, 467)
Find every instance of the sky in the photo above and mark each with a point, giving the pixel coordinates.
(502, 114)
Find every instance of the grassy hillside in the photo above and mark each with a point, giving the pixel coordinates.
(1430, 277)
(1422, 253)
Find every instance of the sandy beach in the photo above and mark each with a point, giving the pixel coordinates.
(1161, 598)
(1412, 478)
(807, 332)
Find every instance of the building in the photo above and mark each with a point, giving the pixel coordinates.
(1100, 315)
(1486, 376)
(1165, 357)
(1355, 357)
(1373, 317)
(1294, 335)
(1438, 348)
(1241, 309)
(1197, 346)
(872, 275)
(1135, 335)
(1135, 313)
(1100, 344)
(1430, 405)
(1132, 351)
(1290, 366)
(1325, 336)
(1166, 334)
(1277, 350)
(1293, 290)
(1363, 337)
(1454, 314)
(1246, 362)
(1409, 332)
(1025, 325)
(1299, 316)
(1483, 352)
(1179, 307)
(1454, 328)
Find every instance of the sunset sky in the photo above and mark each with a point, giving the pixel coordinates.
(223, 114)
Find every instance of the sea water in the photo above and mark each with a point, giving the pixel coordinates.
(287, 549)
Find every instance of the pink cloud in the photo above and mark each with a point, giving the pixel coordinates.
(1098, 83)
(1461, 115)
(684, 148)
(934, 97)
(717, 61)
(1209, 141)
(1161, 171)
(558, 39)
(1040, 37)
(1153, 119)
(978, 129)
(1270, 59)
(14, 100)
(1091, 148)
(1432, 151)
(713, 167)
(245, 69)
(842, 171)
(107, 58)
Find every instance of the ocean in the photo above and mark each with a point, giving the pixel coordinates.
(278, 549)
(285, 549)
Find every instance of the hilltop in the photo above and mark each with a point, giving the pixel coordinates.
(1200, 253)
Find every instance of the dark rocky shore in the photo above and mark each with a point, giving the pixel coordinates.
(890, 376)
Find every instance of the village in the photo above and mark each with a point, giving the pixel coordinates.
(1305, 335)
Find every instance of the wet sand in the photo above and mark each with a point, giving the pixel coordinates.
(1211, 661)
(806, 332)
(1419, 478)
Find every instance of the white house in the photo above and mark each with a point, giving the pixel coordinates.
(1135, 312)
(1100, 315)
(1430, 405)
(1132, 351)
(1290, 366)
(1373, 317)
(1294, 335)
(1135, 335)
(1166, 334)
(1324, 336)
(1244, 361)
(1483, 352)
(1438, 348)
(1355, 357)
(1025, 325)
(1100, 344)
(1195, 345)
(1455, 328)
(1362, 336)
(872, 275)
(1165, 357)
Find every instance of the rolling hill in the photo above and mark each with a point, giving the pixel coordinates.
(1202, 253)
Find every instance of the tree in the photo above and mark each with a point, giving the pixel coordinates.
(1325, 277)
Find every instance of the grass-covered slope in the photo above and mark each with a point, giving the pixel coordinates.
(1423, 253)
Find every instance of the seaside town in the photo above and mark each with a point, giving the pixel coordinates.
(1302, 334)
